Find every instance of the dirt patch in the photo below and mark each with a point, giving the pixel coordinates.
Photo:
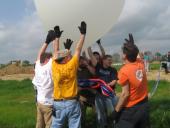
(18, 77)
(15, 69)
(153, 75)
(15, 72)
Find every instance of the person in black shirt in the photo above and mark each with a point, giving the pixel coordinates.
(104, 105)
(106, 72)
(87, 97)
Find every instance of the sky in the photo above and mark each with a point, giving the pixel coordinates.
(22, 32)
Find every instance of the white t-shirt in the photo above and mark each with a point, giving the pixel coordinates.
(43, 82)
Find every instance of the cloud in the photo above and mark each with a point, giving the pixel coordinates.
(148, 20)
(22, 40)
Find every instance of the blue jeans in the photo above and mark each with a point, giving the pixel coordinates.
(104, 108)
(68, 109)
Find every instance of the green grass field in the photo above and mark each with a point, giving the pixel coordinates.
(17, 105)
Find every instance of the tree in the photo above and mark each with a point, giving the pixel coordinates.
(158, 56)
(25, 63)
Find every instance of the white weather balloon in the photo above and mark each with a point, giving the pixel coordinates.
(100, 16)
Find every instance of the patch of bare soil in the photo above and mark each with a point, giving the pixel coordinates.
(18, 77)
(153, 75)
(15, 69)
(16, 72)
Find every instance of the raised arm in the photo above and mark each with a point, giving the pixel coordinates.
(58, 34)
(92, 57)
(55, 47)
(79, 45)
(101, 47)
(50, 37)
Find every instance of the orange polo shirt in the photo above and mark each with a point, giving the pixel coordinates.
(134, 74)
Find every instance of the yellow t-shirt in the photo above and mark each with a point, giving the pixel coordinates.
(65, 79)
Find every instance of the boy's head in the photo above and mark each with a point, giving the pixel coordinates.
(130, 50)
(44, 58)
(107, 60)
(82, 62)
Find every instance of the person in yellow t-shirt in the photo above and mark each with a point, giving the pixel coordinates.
(64, 74)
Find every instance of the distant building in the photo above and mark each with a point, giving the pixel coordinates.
(16, 62)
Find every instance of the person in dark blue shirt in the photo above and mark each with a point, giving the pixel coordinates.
(104, 71)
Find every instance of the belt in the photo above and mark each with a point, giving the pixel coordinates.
(64, 99)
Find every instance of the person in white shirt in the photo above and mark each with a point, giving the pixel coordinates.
(44, 84)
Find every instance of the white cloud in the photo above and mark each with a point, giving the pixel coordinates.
(22, 40)
(148, 20)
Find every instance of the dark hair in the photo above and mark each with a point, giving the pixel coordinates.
(131, 51)
(45, 56)
(106, 56)
(96, 53)
(81, 58)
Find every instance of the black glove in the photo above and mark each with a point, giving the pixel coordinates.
(57, 31)
(82, 28)
(115, 115)
(131, 40)
(68, 44)
(98, 42)
(50, 36)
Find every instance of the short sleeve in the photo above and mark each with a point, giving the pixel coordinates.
(123, 78)
(75, 61)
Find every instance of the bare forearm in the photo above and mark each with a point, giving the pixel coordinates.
(102, 50)
(113, 83)
(122, 100)
(92, 57)
(80, 45)
(55, 47)
(42, 50)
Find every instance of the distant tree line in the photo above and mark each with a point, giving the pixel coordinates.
(152, 57)
(17, 63)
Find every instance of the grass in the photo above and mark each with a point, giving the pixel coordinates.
(17, 106)
(160, 106)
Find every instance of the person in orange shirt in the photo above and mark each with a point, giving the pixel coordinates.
(132, 109)
(64, 73)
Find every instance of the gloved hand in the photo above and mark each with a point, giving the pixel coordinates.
(68, 44)
(50, 36)
(131, 40)
(98, 41)
(82, 28)
(57, 31)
